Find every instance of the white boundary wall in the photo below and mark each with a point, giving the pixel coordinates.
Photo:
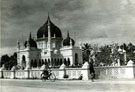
(74, 73)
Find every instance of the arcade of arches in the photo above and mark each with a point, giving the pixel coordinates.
(51, 62)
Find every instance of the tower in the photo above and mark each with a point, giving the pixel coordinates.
(18, 46)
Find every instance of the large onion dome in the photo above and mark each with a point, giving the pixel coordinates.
(30, 42)
(68, 41)
(43, 30)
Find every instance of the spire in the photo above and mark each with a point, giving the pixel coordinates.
(48, 16)
(48, 19)
(67, 33)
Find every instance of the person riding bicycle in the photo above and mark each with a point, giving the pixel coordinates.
(45, 72)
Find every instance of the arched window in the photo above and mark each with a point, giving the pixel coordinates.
(65, 61)
(52, 62)
(40, 63)
(58, 62)
(35, 64)
(68, 61)
(49, 63)
(61, 61)
(76, 59)
(55, 62)
(23, 62)
(46, 62)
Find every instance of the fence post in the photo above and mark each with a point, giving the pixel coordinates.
(26, 72)
(62, 71)
(1, 74)
(85, 71)
(1, 71)
(12, 74)
(130, 69)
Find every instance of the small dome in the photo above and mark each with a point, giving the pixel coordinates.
(31, 42)
(43, 30)
(68, 41)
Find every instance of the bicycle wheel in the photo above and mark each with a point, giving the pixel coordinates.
(52, 77)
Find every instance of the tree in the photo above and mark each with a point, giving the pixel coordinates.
(86, 51)
(9, 62)
(104, 55)
(130, 51)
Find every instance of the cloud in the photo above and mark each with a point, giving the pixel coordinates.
(86, 20)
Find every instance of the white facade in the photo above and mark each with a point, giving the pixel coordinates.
(48, 49)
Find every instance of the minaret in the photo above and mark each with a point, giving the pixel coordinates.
(18, 46)
(80, 45)
(70, 39)
(44, 42)
(71, 43)
(28, 44)
(28, 53)
(49, 34)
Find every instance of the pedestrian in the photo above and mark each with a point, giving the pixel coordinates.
(92, 71)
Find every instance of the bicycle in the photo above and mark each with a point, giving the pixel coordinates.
(50, 76)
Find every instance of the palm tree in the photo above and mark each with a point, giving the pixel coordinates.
(86, 51)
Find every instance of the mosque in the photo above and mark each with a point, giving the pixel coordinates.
(48, 47)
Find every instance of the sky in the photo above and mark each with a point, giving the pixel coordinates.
(92, 21)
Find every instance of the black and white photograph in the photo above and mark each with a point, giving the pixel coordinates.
(67, 45)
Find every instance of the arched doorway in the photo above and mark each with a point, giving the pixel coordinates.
(76, 59)
(31, 64)
(23, 62)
